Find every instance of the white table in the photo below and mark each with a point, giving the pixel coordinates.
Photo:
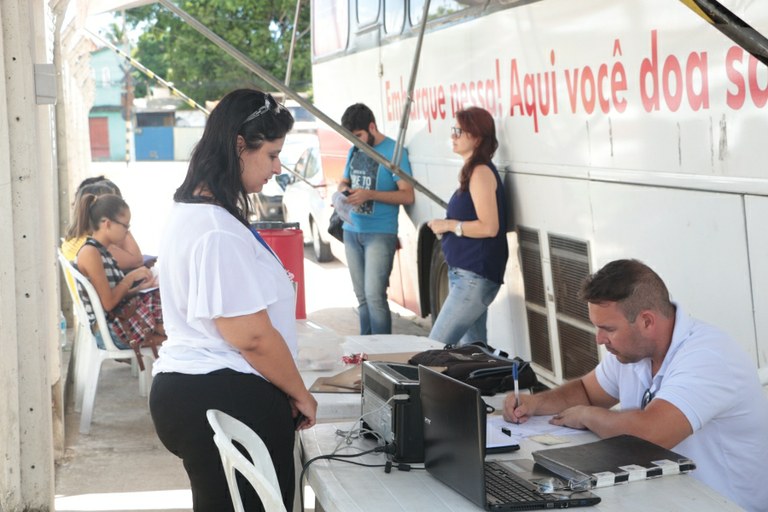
(320, 352)
(319, 347)
(341, 487)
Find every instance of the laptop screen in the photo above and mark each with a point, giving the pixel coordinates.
(454, 433)
(454, 452)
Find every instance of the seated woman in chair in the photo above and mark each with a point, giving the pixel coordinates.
(135, 319)
(126, 253)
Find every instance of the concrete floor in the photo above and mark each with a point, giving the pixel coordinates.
(121, 465)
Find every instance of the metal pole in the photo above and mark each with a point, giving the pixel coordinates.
(278, 85)
(738, 30)
(129, 128)
(299, 176)
(411, 85)
(293, 43)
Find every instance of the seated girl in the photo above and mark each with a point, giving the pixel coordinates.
(126, 253)
(134, 315)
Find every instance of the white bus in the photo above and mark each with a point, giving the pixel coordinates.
(627, 128)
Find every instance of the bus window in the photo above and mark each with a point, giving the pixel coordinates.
(330, 26)
(367, 12)
(437, 8)
(394, 16)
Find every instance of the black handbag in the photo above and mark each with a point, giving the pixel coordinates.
(480, 366)
(334, 226)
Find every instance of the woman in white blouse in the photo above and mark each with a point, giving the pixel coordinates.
(228, 306)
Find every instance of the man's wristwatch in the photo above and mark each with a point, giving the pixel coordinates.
(458, 230)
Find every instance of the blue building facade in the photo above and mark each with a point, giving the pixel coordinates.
(154, 131)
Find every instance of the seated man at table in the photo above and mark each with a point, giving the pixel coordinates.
(680, 383)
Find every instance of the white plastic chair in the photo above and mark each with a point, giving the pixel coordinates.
(82, 331)
(260, 473)
(763, 374)
(88, 356)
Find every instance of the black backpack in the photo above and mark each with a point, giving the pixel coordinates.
(479, 365)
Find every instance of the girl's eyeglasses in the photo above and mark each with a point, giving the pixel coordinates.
(456, 132)
(126, 226)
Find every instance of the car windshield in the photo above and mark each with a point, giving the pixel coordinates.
(301, 114)
(295, 144)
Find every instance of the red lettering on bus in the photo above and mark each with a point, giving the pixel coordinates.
(441, 101)
(735, 100)
(649, 71)
(572, 86)
(588, 90)
(697, 62)
(745, 80)
(672, 73)
(537, 95)
(618, 84)
(759, 94)
(602, 85)
(673, 83)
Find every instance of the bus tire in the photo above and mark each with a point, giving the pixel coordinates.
(438, 281)
(321, 250)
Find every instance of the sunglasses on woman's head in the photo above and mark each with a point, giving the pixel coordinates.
(265, 108)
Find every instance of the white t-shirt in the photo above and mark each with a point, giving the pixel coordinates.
(712, 381)
(213, 266)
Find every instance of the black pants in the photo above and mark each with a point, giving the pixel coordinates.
(178, 403)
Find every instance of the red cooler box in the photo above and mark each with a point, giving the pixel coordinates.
(287, 240)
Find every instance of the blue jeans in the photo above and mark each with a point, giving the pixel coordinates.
(463, 316)
(369, 258)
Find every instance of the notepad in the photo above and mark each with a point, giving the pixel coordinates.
(613, 461)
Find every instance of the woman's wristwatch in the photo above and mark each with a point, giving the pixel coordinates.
(457, 230)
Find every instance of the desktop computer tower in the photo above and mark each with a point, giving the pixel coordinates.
(391, 407)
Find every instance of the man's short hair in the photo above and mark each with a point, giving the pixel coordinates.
(357, 117)
(630, 283)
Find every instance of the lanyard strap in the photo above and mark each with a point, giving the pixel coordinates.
(263, 242)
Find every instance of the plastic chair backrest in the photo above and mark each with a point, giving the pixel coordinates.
(98, 310)
(79, 309)
(260, 473)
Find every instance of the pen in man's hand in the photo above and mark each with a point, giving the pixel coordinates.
(517, 388)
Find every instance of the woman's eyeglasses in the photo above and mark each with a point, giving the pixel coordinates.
(265, 108)
(647, 397)
(456, 132)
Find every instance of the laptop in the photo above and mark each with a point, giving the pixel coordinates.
(454, 453)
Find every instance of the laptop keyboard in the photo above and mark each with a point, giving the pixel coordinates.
(509, 488)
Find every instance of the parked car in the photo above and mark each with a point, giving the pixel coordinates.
(305, 201)
(268, 204)
(296, 143)
(303, 120)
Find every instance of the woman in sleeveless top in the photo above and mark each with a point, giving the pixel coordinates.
(133, 317)
(473, 234)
